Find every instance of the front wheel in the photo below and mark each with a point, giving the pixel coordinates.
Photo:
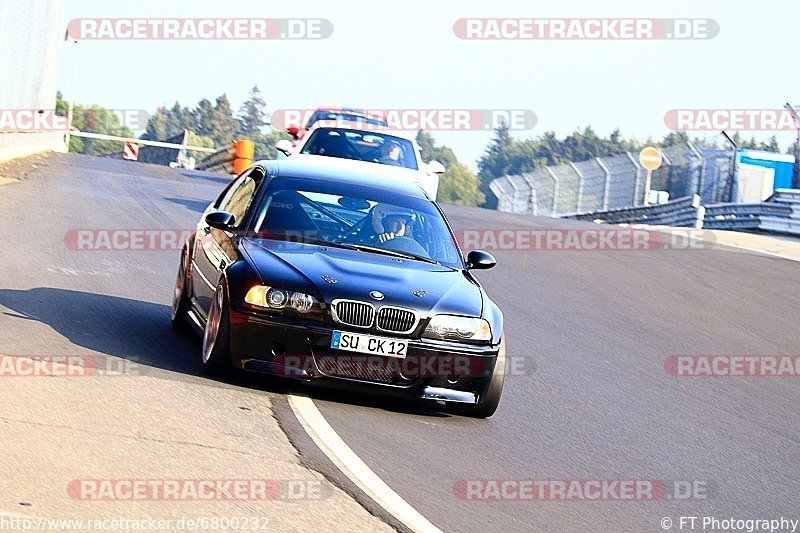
(216, 337)
(180, 295)
(489, 396)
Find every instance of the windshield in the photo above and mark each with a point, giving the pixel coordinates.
(363, 146)
(351, 216)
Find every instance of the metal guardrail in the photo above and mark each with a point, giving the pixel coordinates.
(233, 158)
(791, 196)
(685, 212)
(219, 161)
(614, 182)
(749, 210)
(779, 214)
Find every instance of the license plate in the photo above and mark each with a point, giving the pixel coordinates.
(357, 342)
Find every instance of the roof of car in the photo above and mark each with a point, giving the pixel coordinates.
(350, 110)
(392, 179)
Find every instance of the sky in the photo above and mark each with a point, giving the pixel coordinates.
(405, 55)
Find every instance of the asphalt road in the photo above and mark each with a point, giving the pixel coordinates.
(594, 329)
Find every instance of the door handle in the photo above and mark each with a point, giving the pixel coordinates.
(222, 265)
(207, 230)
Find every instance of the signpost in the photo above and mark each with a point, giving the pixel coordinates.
(650, 158)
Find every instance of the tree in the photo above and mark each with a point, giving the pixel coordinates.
(458, 185)
(215, 120)
(742, 143)
(674, 138)
(224, 125)
(157, 125)
(494, 162)
(252, 114)
(265, 144)
(770, 146)
(93, 119)
(166, 123)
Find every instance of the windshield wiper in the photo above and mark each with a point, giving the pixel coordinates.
(386, 251)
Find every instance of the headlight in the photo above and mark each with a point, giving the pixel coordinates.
(272, 298)
(451, 327)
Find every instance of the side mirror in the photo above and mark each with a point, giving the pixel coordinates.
(293, 131)
(220, 220)
(434, 167)
(284, 146)
(480, 260)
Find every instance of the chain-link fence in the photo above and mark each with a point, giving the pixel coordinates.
(615, 182)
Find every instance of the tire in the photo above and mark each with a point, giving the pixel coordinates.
(489, 397)
(180, 297)
(216, 337)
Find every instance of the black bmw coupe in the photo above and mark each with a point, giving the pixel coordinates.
(323, 273)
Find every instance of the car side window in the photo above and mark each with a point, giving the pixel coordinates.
(237, 200)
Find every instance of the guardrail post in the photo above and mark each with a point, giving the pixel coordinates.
(513, 194)
(701, 216)
(555, 190)
(698, 188)
(607, 183)
(581, 179)
(636, 181)
(532, 196)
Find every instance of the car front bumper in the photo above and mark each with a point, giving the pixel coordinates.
(300, 349)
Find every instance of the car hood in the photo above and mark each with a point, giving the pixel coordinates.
(331, 273)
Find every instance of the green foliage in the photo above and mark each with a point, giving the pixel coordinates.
(94, 119)
(458, 185)
(169, 122)
(265, 143)
(214, 124)
(252, 114)
(198, 140)
(216, 121)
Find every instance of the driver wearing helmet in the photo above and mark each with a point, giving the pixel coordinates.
(391, 153)
(391, 222)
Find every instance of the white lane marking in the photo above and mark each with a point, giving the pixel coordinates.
(9, 514)
(351, 465)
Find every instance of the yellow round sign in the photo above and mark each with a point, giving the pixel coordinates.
(650, 157)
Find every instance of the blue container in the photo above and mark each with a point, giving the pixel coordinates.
(783, 164)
